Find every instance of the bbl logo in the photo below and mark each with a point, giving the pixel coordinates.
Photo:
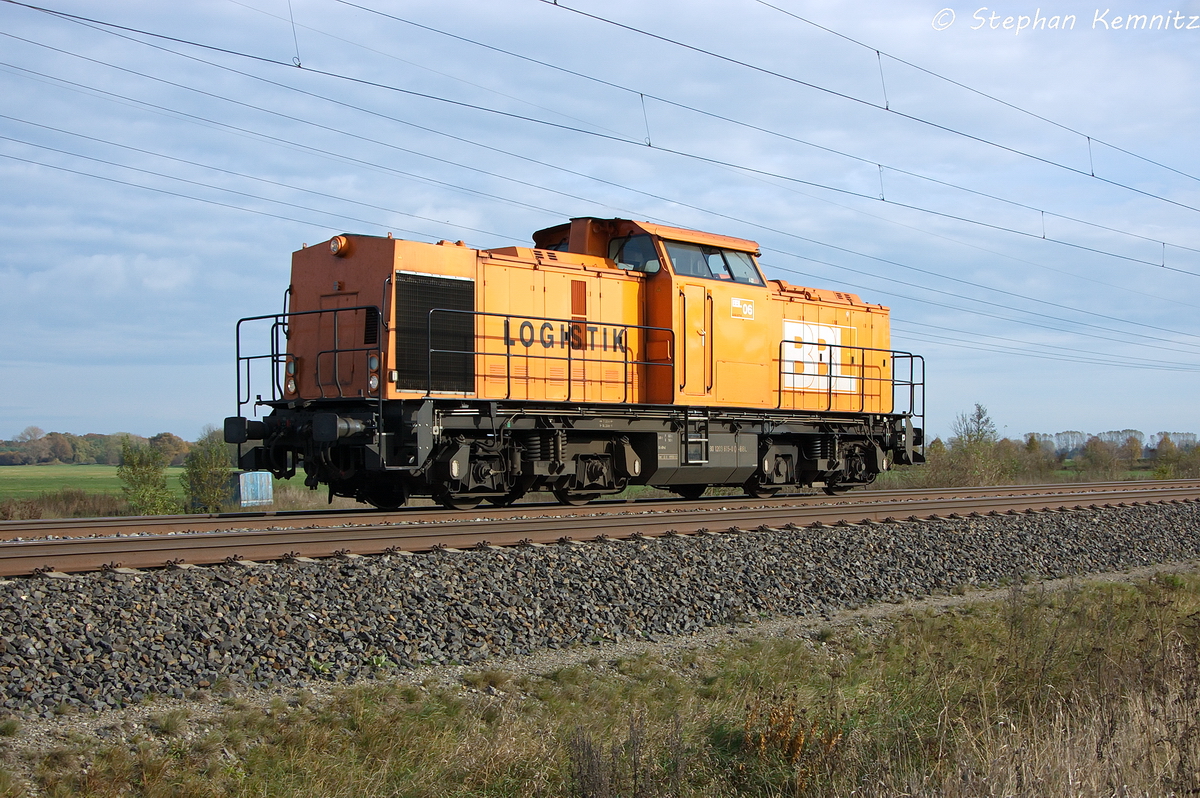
(742, 309)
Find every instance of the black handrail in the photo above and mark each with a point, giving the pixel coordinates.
(565, 323)
(278, 354)
(914, 383)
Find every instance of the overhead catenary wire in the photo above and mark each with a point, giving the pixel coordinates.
(358, 43)
(390, 145)
(983, 346)
(165, 191)
(979, 92)
(719, 162)
(1067, 350)
(247, 194)
(868, 103)
(293, 205)
(692, 206)
(682, 153)
(642, 94)
(933, 303)
(699, 208)
(1166, 343)
(1126, 362)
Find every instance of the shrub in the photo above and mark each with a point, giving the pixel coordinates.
(206, 473)
(144, 472)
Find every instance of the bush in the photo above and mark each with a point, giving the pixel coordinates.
(206, 472)
(144, 472)
(76, 503)
(19, 510)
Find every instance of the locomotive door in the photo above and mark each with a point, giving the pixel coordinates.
(695, 321)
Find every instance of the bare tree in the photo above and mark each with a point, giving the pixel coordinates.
(1069, 442)
(30, 434)
(975, 427)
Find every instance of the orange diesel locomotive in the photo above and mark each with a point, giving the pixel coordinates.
(612, 353)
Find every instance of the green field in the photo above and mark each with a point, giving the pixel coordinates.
(31, 481)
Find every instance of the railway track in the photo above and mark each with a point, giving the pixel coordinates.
(94, 544)
(305, 519)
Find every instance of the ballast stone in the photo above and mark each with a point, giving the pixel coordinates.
(103, 640)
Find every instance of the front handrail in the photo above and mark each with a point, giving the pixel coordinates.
(278, 356)
(842, 378)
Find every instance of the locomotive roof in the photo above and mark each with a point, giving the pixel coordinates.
(671, 233)
(698, 237)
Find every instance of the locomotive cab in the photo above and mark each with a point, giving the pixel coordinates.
(612, 352)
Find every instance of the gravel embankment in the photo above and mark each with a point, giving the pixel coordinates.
(104, 640)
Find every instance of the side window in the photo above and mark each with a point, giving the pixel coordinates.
(741, 266)
(688, 259)
(635, 253)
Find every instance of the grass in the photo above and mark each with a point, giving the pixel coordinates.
(31, 481)
(86, 491)
(1087, 691)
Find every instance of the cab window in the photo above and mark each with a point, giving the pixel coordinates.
(635, 253)
(712, 263)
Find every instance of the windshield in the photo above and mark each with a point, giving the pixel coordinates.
(697, 260)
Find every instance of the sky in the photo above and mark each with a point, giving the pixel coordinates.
(1019, 183)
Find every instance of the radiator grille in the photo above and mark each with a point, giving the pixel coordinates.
(371, 329)
(453, 366)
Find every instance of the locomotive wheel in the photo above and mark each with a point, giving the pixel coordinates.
(757, 490)
(573, 498)
(507, 498)
(454, 501)
(385, 495)
(689, 492)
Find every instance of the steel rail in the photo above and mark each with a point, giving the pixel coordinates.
(303, 519)
(205, 548)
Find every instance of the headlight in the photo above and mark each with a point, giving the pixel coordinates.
(373, 382)
(373, 363)
(290, 385)
(291, 367)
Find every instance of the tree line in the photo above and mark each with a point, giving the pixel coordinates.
(976, 455)
(34, 446)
